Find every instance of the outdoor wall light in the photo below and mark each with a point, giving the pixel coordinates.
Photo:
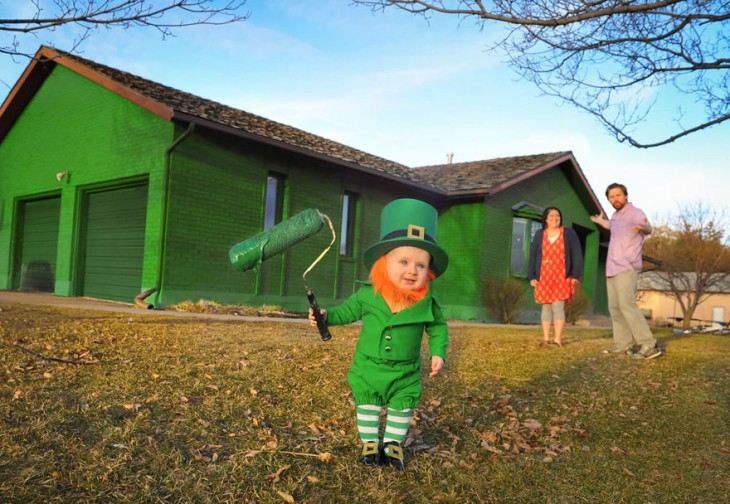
(60, 175)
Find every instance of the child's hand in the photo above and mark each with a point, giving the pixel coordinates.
(312, 320)
(437, 364)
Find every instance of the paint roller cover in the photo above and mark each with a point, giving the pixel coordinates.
(284, 235)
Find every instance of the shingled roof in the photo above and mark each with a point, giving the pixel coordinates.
(481, 176)
(174, 105)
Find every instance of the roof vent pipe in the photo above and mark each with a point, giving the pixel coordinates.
(449, 157)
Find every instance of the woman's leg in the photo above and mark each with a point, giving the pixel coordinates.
(546, 317)
(559, 320)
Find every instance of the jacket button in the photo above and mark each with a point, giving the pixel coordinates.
(387, 349)
(388, 337)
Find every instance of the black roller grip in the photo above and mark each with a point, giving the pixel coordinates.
(324, 331)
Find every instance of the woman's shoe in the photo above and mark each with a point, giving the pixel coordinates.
(544, 343)
(557, 343)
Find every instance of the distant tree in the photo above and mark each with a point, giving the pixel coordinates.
(694, 254)
(611, 57)
(87, 16)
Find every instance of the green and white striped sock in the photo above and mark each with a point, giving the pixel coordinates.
(368, 422)
(396, 426)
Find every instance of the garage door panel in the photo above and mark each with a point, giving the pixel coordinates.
(114, 244)
(36, 263)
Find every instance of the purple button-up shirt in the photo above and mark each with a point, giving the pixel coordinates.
(624, 247)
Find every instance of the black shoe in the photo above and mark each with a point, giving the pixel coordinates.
(370, 453)
(392, 454)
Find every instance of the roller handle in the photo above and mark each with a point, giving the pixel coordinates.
(324, 331)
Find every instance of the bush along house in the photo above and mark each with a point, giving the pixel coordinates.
(116, 187)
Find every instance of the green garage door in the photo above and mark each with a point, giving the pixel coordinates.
(38, 244)
(113, 247)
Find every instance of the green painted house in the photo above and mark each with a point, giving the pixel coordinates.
(119, 188)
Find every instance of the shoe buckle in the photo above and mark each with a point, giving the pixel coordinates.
(394, 451)
(370, 448)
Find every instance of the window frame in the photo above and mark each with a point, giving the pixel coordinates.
(531, 216)
(348, 224)
(273, 200)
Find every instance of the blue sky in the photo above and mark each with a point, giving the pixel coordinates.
(398, 87)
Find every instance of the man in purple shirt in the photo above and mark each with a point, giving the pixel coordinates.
(628, 226)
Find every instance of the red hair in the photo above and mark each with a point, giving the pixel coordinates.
(396, 297)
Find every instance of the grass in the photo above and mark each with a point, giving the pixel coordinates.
(167, 409)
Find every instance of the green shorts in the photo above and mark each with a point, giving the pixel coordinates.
(385, 383)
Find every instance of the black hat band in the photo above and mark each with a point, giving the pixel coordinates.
(415, 232)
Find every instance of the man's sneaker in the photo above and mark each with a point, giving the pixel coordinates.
(648, 352)
(626, 351)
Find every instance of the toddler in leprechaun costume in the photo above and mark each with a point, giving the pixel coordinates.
(395, 308)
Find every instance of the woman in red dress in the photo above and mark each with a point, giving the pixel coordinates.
(556, 265)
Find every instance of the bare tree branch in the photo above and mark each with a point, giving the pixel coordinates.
(611, 58)
(86, 16)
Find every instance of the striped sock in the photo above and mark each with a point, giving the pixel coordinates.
(368, 422)
(396, 427)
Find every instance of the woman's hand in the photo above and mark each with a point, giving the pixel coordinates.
(437, 364)
(533, 283)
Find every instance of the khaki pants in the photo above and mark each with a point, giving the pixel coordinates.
(628, 321)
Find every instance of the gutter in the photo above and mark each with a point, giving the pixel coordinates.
(140, 299)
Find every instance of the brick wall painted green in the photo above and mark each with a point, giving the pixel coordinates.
(100, 138)
(461, 234)
(216, 200)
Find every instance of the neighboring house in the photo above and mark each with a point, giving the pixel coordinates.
(656, 299)
(112, 185)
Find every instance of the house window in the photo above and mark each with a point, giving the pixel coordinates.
(274, 200)
(347, 230)
(523, 230)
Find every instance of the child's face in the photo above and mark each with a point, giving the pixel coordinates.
(407, 267)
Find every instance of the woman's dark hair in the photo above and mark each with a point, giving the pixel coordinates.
(617, 186)
(547, 211)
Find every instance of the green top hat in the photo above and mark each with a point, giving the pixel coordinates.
(408, 223)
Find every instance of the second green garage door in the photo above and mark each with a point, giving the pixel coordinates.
(112, 243)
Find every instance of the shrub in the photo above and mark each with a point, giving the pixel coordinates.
(578, 306)
(504, 299)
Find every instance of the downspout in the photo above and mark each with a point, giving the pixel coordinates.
(140, 299)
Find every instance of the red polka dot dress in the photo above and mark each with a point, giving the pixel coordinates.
(553, 285)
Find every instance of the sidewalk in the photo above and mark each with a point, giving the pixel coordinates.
(48, 299)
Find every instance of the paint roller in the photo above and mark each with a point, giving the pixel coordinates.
(252, 252)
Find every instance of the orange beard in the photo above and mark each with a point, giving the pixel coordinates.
(396, 297)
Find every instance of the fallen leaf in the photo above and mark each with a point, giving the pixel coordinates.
(286, 496)
(629, 472)
(618, 450)
(17, 394)
(312, 479)
(325, 457)
(277, 475)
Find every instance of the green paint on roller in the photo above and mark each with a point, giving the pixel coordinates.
(250, 253)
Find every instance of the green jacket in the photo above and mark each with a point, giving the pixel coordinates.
(393, 337)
